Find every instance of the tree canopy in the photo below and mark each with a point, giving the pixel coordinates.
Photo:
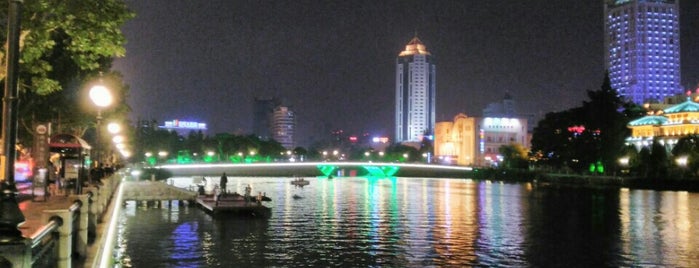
(590, 134)
(65, 37)
(64, 45)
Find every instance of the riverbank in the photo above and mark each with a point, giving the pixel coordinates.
(664, 184)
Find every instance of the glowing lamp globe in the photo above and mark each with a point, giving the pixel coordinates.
(101, 96)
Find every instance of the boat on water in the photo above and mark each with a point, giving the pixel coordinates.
(297, 197)
(235, 204)
(300, 182)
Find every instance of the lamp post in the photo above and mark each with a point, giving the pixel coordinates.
(102, 98)
(10, 214)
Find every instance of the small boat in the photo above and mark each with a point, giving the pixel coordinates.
(297, 197)
(300, 182)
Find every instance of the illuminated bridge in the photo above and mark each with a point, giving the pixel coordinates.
(325, 169)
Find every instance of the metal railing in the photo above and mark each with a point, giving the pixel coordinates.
(44, 248)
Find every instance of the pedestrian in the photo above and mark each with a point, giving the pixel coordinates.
(224, 181)
(248, 189)
(202, 187)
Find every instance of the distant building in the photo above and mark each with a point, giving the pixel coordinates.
(477, 141)
(283, 126)
(415, 92)
(507, 108)
(263, 110)
(642, 46)
(504, 108)
(182, 127)
(667, 125)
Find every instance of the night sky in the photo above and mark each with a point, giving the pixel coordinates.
(333, 62)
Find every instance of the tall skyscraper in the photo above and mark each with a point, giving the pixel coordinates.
(283, 126)
(642, 46)
(415, 92)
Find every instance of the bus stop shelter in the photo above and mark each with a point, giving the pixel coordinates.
(74, 153)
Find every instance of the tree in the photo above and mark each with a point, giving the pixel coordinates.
(63, 45)
(603, 114)
(594, 132)
(66, 37)
(658, 162)
(688, 147)
(514, 156)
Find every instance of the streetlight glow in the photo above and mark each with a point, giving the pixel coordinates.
(113, 128)
(118, 139)
(101, 96)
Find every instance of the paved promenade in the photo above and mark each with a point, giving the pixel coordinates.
(33, 210)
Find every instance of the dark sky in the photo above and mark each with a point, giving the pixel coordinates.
(333, 62)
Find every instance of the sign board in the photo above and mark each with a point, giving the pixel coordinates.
(40, 151)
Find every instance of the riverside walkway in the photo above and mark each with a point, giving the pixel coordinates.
(62, 229)
(68, 230)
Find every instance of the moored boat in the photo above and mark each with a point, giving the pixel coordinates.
(300, 182)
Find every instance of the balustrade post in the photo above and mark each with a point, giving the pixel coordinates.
(65, 236)
(81, 247)
(102, 202)
(93, 211)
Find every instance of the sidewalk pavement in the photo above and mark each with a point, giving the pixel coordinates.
(32, 207)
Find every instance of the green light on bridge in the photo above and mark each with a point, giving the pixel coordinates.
(374, 171)
(381, 172)
(327, 170)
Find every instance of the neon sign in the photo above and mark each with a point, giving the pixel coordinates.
(177, 124)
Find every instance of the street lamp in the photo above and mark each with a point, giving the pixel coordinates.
(102, 98)
(624, 164)
(113, 128)
(10, 214)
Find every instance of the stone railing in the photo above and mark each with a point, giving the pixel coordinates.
(65, 234)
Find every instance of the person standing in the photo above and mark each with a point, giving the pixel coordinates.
(224, 181)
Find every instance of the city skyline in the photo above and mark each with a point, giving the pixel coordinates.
(334, 61)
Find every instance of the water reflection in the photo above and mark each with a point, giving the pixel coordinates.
(657, 227)
(406, 222)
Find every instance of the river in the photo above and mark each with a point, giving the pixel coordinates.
(421, 222)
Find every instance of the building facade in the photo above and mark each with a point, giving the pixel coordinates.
(473, 141)
(642, 46)
(667, 125)
(283, 126)
(415, 92)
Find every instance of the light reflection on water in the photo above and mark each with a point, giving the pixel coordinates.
(412, 222)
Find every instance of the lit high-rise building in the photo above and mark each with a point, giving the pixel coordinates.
(642, 46)
(283, 125)
(415, 92)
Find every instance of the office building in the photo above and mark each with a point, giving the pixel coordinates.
(415, 92)
(642, 46)
(283, 126)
